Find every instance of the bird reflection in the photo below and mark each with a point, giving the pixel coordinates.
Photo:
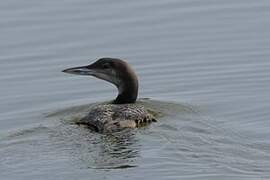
(99, 151)
(117, 150)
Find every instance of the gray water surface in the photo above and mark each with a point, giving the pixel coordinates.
(204, 65)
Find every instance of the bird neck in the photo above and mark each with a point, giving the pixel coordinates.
(127, 90)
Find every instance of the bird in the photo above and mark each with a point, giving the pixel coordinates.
(123, 112)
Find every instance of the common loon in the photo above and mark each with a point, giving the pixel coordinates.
(123, 112)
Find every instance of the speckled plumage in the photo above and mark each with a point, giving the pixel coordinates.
(109, 118)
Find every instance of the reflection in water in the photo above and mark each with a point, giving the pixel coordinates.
(98, 151)
(117, 151)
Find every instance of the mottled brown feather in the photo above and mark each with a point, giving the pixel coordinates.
(111, 117)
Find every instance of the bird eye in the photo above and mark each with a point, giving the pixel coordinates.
(105, 66)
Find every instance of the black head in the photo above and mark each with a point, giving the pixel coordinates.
(115, 71)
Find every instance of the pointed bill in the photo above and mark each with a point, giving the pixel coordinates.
(82, 70)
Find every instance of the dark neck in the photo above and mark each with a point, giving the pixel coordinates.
(125, 98)
(128, 91)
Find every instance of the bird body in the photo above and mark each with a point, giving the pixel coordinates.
(107, 118)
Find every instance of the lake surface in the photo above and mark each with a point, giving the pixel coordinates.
(204, 64)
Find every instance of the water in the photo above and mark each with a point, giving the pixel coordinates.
(204, 64)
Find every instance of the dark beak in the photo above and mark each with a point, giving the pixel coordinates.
(90, 70)
(81, 70)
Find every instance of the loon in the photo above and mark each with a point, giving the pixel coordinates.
(123, 112)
